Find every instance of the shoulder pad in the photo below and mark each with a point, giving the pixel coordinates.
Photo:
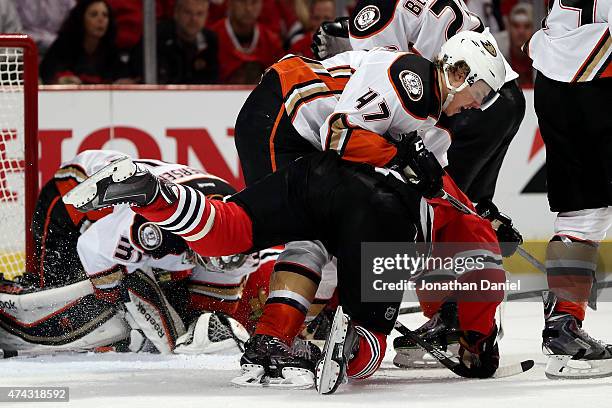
(371, 16)
(414, 80)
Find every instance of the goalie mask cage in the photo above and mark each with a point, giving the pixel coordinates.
(18, 151)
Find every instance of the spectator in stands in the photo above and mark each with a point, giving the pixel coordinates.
(489, 12)
(129, 18)
(42, 19)
(320, 11)
(520, 29)
(187, 53)
(9, 19)
(84, 51)
(246, 48)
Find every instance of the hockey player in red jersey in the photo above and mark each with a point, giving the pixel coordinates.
(573, 58)
(391, 93)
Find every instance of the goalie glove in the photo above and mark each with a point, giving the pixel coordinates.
(418, 165)
(331, 38)
(479, 353)
(212, 332)
(508, 236)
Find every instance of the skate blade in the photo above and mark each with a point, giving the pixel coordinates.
(329, 371)
(86, 191)
(559, 368)
(418, 361)
(254, 376)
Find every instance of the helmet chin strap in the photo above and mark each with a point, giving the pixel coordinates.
(451, 89)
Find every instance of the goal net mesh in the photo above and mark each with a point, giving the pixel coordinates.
(12, 162)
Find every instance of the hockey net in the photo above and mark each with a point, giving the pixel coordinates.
(18, 151)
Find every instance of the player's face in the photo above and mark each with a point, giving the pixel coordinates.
(462, 100)
(190, 17)
(95, 20)
(245, 12)
(322, 11)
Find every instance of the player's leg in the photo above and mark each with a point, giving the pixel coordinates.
(456, 314)
(266, 142)
(480, 142)
(579, 176)
(357, 341)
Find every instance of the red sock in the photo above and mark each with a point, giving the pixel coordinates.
(369, 356)
(576, 309)
(280, 320)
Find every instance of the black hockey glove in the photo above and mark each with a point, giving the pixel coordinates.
(479, 354)
(508, 236)
(331, 38)
(418, 165)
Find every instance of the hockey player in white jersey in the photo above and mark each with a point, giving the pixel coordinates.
(480, 137)
(572, 54)
(124, 257)
(388, 94)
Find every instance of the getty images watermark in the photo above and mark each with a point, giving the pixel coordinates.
(400, 270)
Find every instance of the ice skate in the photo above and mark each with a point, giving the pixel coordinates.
(339, 346)
(120, 182)
(269, 362)
(441, 331)
(564, 340)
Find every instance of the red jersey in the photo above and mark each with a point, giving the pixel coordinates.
(242, 65)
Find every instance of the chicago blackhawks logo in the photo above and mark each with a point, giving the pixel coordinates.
(489, 47)
(367, 17)
(413, 84)
(150, 236)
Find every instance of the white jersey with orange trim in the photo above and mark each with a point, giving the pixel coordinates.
(390, 94)
(122, 241)
(310, 89)
(420, 26)
(574, 44)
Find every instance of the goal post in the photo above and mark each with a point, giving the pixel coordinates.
(18, 151)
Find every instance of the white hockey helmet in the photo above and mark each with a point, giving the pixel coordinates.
(481, 53)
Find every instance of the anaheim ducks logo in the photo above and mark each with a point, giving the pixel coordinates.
(367, 17)
(489, 47)
(412, 83)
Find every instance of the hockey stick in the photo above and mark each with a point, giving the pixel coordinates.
(592, 303)
(454, 365)
(4, 353)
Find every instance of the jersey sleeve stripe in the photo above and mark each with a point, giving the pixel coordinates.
(210, 222)
(177, 215)
(193, 221)
(603, 47)
(192, 201)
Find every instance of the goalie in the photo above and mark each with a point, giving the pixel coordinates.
(144, 282)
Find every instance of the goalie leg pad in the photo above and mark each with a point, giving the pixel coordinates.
(151, 311)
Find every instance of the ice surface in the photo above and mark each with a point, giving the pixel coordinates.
(132, 380)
